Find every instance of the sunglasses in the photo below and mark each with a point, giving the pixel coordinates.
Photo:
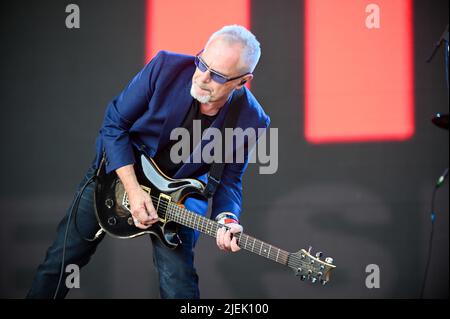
(215, 76)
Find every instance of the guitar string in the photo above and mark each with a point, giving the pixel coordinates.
(211, 227)
(282, 253)
(199, 220)
(194, 218)
(288, 256)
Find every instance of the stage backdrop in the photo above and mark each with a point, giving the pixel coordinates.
(344, 82)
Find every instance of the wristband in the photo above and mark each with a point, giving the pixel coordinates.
(227, 218)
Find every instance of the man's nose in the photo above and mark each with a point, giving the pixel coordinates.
(205, 77)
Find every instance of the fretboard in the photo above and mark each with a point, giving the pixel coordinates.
(210, 227)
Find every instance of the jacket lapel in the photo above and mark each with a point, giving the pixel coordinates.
(176, 114)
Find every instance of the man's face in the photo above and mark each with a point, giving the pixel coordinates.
(225, 59)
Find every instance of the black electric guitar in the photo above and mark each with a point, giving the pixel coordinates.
(167, 194)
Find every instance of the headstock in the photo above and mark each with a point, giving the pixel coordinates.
(310, 267)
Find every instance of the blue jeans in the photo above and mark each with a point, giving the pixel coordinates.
(177, 275)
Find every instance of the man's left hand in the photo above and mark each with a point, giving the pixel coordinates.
(225, 240)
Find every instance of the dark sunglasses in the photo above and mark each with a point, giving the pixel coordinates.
(215, 76)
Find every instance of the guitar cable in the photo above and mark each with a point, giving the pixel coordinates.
(75, 205)
(439, 183)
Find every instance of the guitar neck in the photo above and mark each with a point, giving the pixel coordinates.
(210, 227)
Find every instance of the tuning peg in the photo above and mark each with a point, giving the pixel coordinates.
(302, 277)
(329, 260)
(323, 282)
(313, 280)
(309, 250)
(319, 254)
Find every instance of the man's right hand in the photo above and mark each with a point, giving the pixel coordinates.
(142, 210)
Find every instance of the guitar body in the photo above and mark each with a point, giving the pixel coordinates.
(112, 208)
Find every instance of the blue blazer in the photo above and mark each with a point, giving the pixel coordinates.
(155, 102)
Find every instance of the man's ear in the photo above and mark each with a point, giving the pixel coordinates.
(244, 80)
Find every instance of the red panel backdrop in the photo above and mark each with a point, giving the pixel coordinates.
(184, 26)
(358, 80)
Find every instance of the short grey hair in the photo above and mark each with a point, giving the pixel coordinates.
(238, 34)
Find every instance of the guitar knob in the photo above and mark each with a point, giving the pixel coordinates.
(109, 203)
(319, 254)
(329, 260)
(130, 221)
(112, 221)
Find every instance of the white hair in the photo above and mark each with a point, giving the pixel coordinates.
(238, 34)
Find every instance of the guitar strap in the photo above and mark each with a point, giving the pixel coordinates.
(216, 170)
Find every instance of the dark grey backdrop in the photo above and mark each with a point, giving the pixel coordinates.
(362, 203)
